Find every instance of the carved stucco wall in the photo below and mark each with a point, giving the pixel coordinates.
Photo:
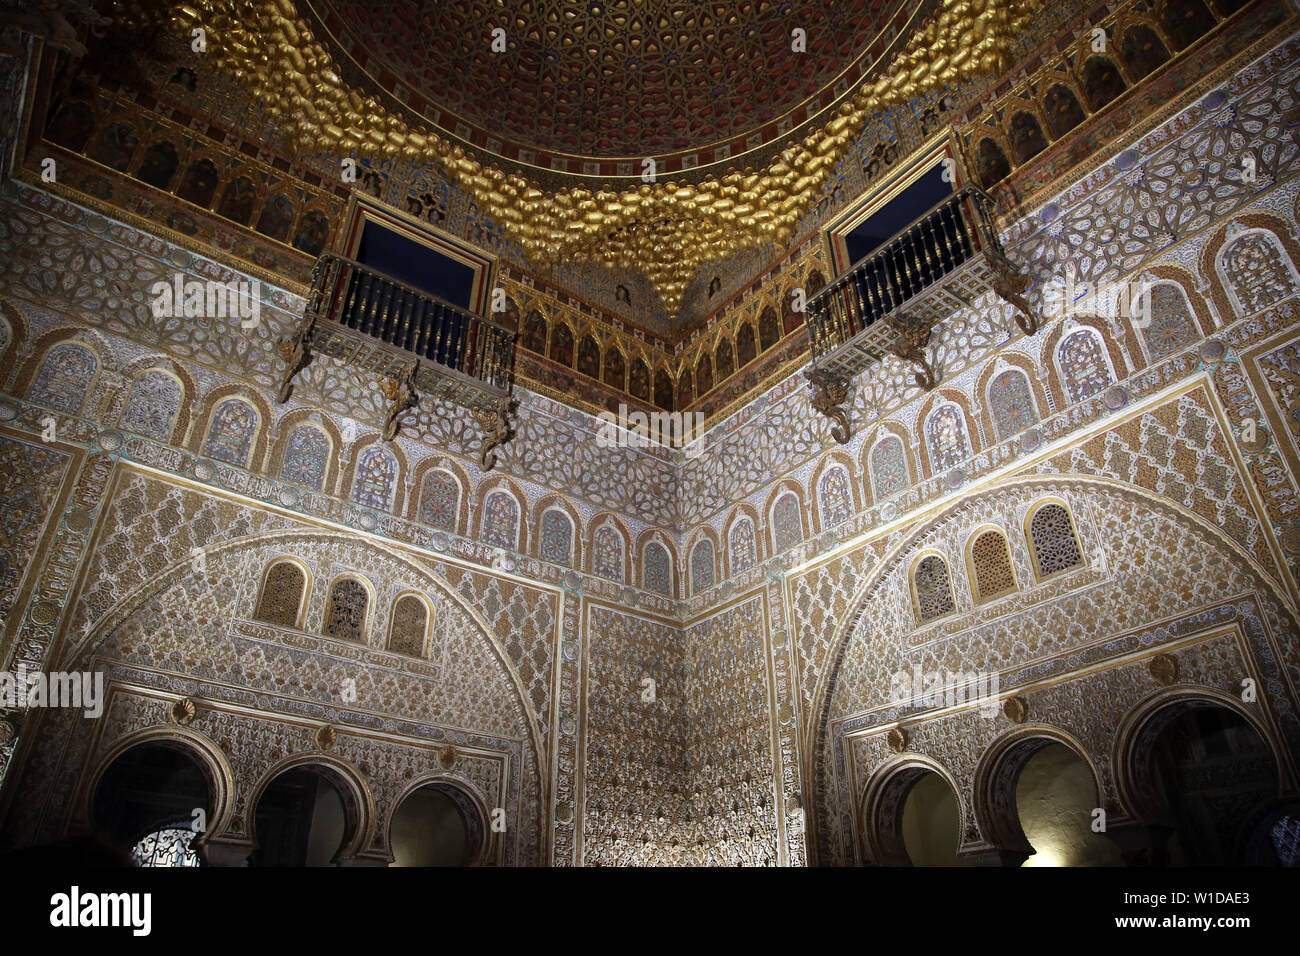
(758, 683)
(163, 625)
(1075, 647)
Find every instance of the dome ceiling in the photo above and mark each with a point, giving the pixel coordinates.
(697, 211)
(606, 79)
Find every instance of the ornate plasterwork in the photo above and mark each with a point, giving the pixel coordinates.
(704, 722)
(771, 711)
(154, 598)
(1157, 566)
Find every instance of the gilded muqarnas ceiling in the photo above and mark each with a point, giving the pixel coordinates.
(666, 230)
(605, 78)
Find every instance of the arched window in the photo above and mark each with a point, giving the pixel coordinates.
(702, 566)
(769, 329)
(1143, 51)
(1012, 402)
(152, 406)
(787, 522)
(501, 520)
(685, 389)
(376, 478)
(589, 357)
(1101, 82)
(1025, 137)
(638, 380)
(439, 500)
(657, 575)
(237, 201)
(663, 389)
(199, 184)
(277, 218)
(280, 602)
(991, 163)
(345, 617)
(888, 467)
(159, 165)
(1169, 326)
(1186, 20)
(71, 126)
(306, 456)
(231, 432)
(1257, 272)
(64, 378)
(608, 560)
(562, 345)
(1062, 110)
(745, 347)
(534, 333)
(615, 369)
(409, 626)
(704, 374)
(557, 537)
(790, 319)
(1052, 540)
(835, 498)
(722, 359)
(510, 317)
(945, 433)
(1085, 369)
(990, 563)
(743, 546)
(932, 589)
(115, 146)
(313, 233)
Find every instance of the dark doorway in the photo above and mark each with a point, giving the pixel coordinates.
(300, 821)
(1215, 775)
(152, 802)
(429, 829)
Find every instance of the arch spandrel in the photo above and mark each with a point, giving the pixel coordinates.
(1019, 636)
(495, 734)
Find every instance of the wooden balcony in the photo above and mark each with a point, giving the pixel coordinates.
(889, 300)
(414, 342)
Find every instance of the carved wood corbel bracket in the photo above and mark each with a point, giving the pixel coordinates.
(1010, 284)
(829, 395)
(296, 354)
(401, 395)
(910, 345)
(497, 429)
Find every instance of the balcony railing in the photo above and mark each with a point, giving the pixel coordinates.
(414, 342)
(890, 299)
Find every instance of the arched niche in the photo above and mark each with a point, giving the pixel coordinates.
(1198, 765)
(145, 799)
(1035, 794)
(307, 814)
(911, 815)
(438, 823)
